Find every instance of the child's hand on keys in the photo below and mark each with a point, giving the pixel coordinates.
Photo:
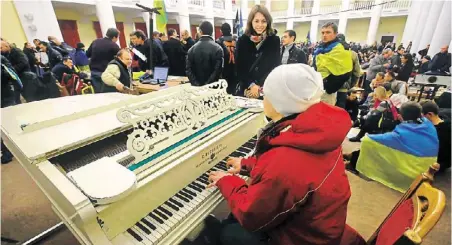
(234, 164)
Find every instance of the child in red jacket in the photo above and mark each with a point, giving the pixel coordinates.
(299, 191)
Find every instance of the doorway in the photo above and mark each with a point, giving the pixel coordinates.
(387, 39)
(69, 31)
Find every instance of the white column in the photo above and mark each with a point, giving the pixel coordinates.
(268, 5)
(245, 12)
(290, 14)
(230, 16)
(145, 15)
(209, 14)
(343, 16)
(38, 19)
(105, 15)
(374, 23)
(424, 15)
(411, 22)
(430, 22)
(314, 21)
(442, 34)
(183, 17)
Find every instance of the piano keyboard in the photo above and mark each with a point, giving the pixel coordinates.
(160, 222)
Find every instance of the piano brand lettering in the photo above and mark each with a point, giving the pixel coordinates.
(210, 156)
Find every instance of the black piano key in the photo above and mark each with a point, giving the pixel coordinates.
(244, 150)
(203, 181)
(171, 205)
(195, 187)
(190, 192)
(149, 224)
(198, 185)
(160, 214)
(221, 166)
(249, 145)
(205, 178)
(166, 211)
(182, 197)
(156, 218)
(135, 235)
(180, 205)
(237, 154)
(183, 193)
(143, 228)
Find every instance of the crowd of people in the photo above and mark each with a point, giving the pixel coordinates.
(311, 98)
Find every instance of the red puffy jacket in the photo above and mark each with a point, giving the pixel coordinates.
(299, 190)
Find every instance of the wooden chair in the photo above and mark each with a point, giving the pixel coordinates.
(411, 219)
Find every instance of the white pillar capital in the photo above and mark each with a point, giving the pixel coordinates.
(374, 23)
(442, 33)
(343, 16)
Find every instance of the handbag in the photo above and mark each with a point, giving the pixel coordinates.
(240, 88)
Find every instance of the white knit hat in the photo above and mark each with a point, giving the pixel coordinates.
(293, 88)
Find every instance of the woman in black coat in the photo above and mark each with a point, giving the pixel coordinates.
(404, 72)
(257, 53)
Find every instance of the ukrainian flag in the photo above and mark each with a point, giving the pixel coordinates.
(395, 159)
(162, 19)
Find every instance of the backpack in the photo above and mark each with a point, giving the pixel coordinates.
(230, 47)
(72, 83)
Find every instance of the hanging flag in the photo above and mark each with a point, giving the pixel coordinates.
(240, 32)
(308, 38)
(161, 19)
(236, 22)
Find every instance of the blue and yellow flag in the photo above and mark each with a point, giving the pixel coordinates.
(395, 159)
(162, 19)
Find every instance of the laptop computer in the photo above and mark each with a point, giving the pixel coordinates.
(160, 76)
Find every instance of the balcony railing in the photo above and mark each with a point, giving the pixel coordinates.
(397, 5)
(218, 4)
(330, 9)
(303, 11)
(197, 3)
(362, 5)
(279, 14)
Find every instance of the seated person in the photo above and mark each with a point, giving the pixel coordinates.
(378, 81)
(352, 105)
(396, 99)
(116, 77)
(425, 63)
(370, 123)
(298, 192)
(398, 87)
(396, 158)
(63, 67)
(443, 129)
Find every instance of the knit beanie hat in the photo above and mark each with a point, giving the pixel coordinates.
(293, 88)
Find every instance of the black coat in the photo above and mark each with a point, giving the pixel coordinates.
(189, 44)
(440, 62)
(176, 57)
(30, 53)
(229, 68)
(296, 55)
(59, 70)
(204, 62)
(54, 57)
(404, 72)
(159, 57)
(8, 84)
(101, 51)
(247, 54)
(423, 68)
(18, 60)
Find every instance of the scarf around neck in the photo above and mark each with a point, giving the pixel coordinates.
(258, 39)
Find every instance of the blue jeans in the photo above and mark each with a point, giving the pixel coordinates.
(96, 81)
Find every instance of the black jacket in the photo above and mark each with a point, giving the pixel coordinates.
(64, 49)
(59, 70)
(30, 53)
(440, 62)
(296, 55)
(189, 44)
(204, 62)
(404, 72)
(424, 67)
(423, 52)
(159, 57)
(18, 60)
(176, 56)
(8, 84)
(54, 57)
(124, 77)
(247, 54)
(101, 51)
(229, 68)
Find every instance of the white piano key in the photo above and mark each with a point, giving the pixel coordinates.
(120, 156)
(159, 232)
(176, 214)
(188, 206)
(123, 239)
(132, 238)
(168, 222)
(142, 234)
(163, 226)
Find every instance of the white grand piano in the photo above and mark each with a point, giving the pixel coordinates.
(121, 169)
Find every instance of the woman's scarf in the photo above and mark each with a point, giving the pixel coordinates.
(258, 39)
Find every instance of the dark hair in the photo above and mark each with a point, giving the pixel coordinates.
(332, 25)
(206, 28)
(25, 45)
(155, 34)
(162, 34)
(171, 32)
(112, 33)
(139, 34)
(400, 48)
(388, 87)
(292, 33)
(381, 74)
(411, 111)
(80, 45)
(429, 106)
(264, 11)
(409, 58)
(66, 58)
(392, 74)
(44, 43)
(226, 29)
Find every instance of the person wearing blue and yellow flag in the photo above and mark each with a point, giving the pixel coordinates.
(395, 159)
(333, 62)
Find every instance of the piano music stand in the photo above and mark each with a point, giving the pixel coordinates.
(151, 29)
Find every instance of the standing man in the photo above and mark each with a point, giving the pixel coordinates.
(290, 53)
(155, 36)
(341, 99)
(396, 60)
(205, 58)
(176, 54)
(102, 51)
(228, 44)
(333, 62)
(187, 41)
(142, 51)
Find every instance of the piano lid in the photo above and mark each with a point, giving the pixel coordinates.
(45, 128)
